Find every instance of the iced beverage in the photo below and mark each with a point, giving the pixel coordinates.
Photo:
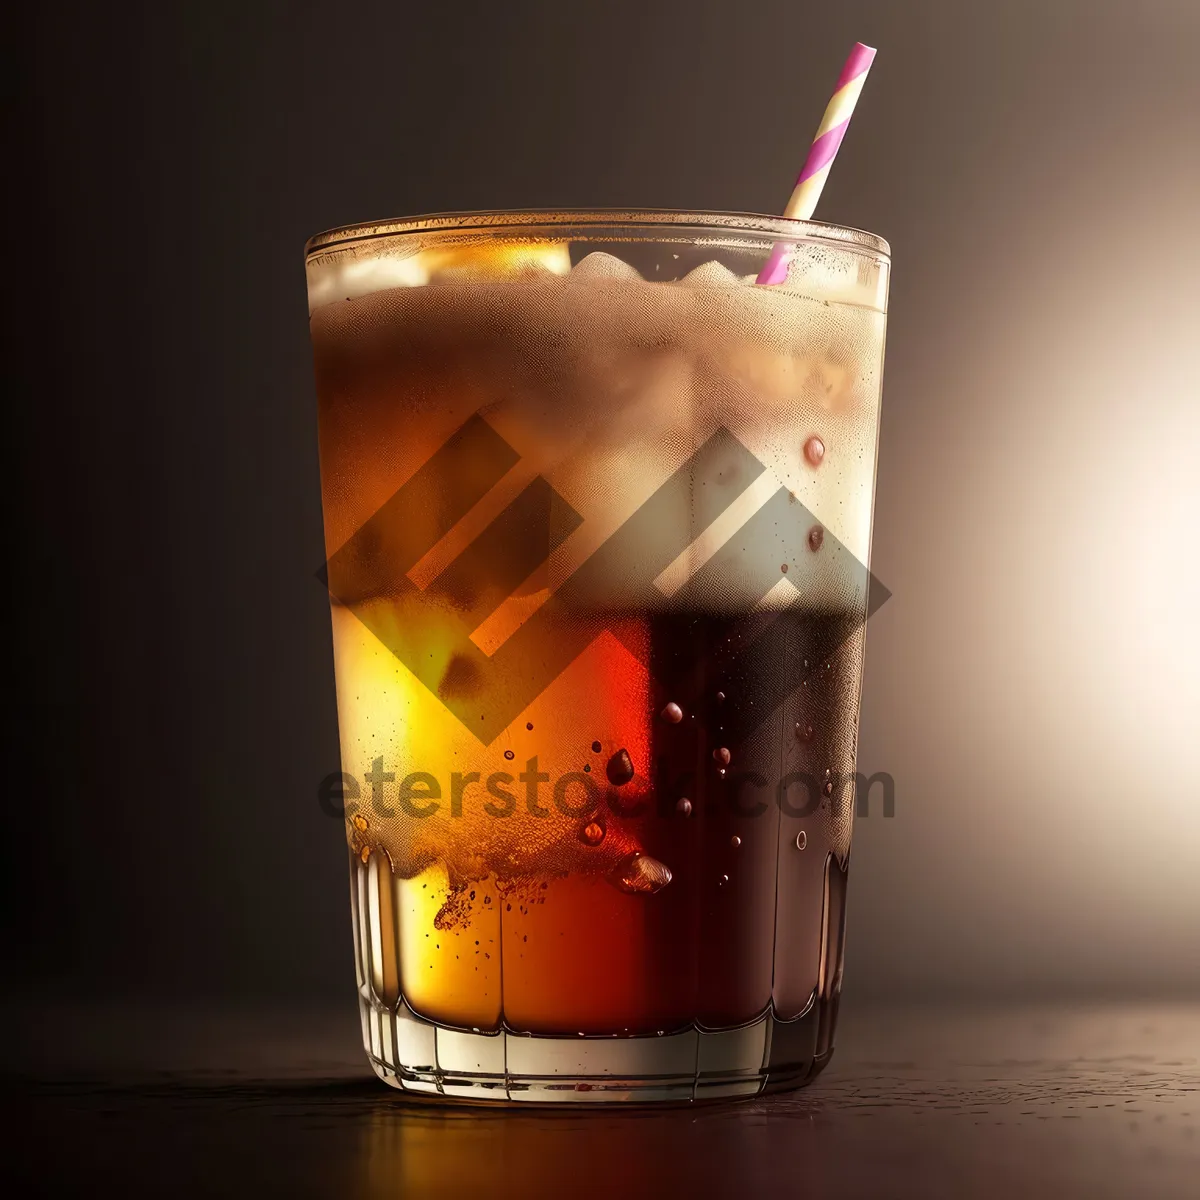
(598, 516)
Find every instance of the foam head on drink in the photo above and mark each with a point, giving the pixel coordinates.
(646, 892)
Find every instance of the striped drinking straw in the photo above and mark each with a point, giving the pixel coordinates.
(821, 154)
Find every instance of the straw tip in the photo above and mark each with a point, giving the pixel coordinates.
(858, 64)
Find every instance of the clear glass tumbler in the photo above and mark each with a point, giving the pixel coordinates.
(598, 518)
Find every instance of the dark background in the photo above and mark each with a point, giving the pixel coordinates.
(1033, 684)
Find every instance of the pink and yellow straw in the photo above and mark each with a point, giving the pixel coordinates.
(821, 154)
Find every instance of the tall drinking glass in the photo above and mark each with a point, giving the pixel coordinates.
(598, 518)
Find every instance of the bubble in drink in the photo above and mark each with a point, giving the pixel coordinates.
(640, 874)
(593, 833)
(619, 769)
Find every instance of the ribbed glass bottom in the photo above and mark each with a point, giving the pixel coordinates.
(497, 1060)
(770, 1055)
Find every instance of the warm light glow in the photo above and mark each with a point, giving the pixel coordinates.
(501, 260)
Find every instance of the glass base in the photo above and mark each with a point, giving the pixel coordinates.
(768, 1055)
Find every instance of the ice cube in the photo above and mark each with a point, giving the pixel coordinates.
(599, 265)
(349, 278)
(711, 275)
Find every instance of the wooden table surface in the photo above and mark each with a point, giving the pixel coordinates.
(1065, 1100)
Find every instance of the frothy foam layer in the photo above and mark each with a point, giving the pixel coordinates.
(604, 384)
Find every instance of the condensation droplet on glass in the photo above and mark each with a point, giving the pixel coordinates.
(801, 840)
(721, 755)
(803, 731)
(828, 789)
(816, 537)
(723, 881)
(595, 747)
(814, 450)
(509, 755)
(720, 697)
(783, 567)
(365, 853)
(672, 714)
(683, 806)
(735, 841)
(361, 823)
(529, 725)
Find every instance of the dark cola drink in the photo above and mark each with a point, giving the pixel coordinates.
(598, 515)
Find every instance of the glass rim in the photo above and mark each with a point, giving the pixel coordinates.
(516, 219)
